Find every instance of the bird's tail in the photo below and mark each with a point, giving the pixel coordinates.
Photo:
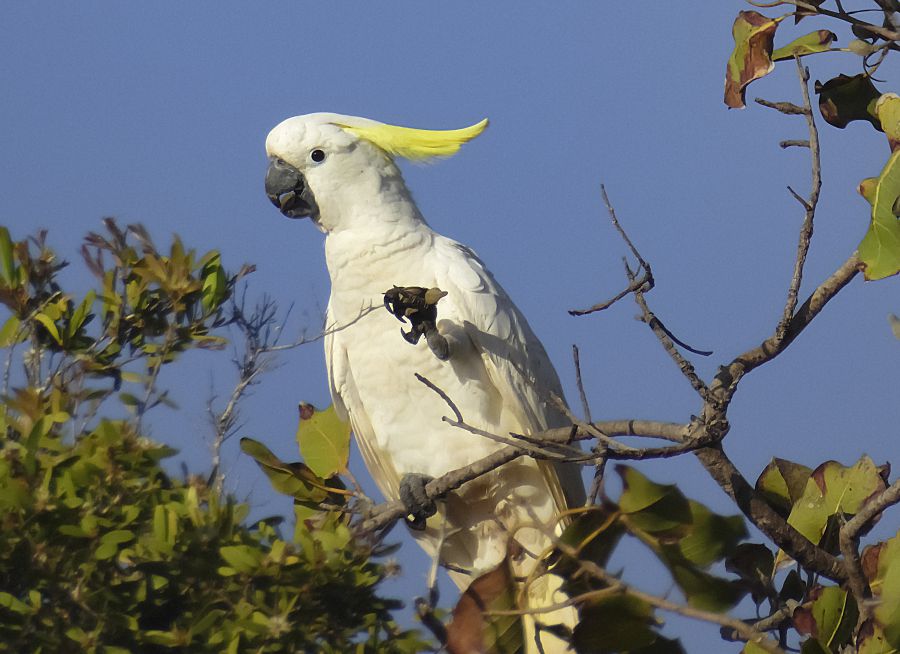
(537, 597)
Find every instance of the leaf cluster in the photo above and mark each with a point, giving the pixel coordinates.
(841, 100)
(101, 548)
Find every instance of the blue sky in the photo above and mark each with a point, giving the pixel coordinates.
(157, 113)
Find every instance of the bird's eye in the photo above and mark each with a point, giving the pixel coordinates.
(317, 155)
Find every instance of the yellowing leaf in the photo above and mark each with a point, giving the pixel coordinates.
(49, 325)
(324, 440)
(752, 55)
(879, 250)
(887, 110)
(834, 490)
(818, 41)
(782, 483)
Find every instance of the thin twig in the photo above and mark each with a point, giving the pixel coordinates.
(788, 108)
(664, 336)
(806, 230)
(585, 406)
(644, 282)
(617, 586)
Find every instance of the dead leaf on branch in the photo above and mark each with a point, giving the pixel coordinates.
(474, 629)
(752, 55)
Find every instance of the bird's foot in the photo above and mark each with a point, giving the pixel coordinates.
(418, 305)
(438, 344)
(419, 507)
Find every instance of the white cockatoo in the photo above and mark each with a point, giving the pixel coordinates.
(340, 171)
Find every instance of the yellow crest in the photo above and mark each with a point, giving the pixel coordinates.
(415, 144)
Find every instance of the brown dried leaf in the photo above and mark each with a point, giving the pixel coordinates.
(752, 55)
(473, 630)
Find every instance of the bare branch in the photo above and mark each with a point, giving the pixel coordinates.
(585, 406)
(766, 519)
(645, 281)
(806, 230)
(788, 108)
(793, 143)
(615, 585)
(668, 342)
(849, 543)
(730, 375)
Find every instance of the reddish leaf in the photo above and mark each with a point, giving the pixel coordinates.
(471, 630)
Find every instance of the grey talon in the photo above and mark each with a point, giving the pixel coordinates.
(419, 507)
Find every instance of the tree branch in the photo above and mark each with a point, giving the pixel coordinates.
(849, 543)
(766, 519)
(806, 230)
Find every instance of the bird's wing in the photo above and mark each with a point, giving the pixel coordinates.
(515, 360)
(347, 405)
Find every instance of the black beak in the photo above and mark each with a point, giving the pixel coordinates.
(287, 189)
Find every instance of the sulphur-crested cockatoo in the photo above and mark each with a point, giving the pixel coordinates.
(340, 171)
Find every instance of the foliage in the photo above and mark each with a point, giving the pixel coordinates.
(101, 549)
(842, 100)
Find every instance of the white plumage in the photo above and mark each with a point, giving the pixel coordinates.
(498, 373)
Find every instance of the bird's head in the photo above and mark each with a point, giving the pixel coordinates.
(326, 166)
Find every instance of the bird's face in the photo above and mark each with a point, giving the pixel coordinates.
(314, 166)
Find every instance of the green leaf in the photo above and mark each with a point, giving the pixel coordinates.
(754, 563)
(712, 536)
(887, 613)
(295, 479)
(49, 325)
(844, 99)
(887, 110)
(324, 440)
(752, 55)
(656, 509)
(214, 282)
(834, 490)
(242, 558)
(618, 623)
(593, 534)
(813, 646)
(7, 263)
(818, 41)
(80, 314)
(880, 248)
(701, 589)
(10, 602)
(782, 483)
(10, 334)
(835, 614)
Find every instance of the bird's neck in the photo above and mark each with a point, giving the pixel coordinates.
(382, 231)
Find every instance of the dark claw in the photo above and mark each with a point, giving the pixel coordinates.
(411, 337)
(419, 507)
